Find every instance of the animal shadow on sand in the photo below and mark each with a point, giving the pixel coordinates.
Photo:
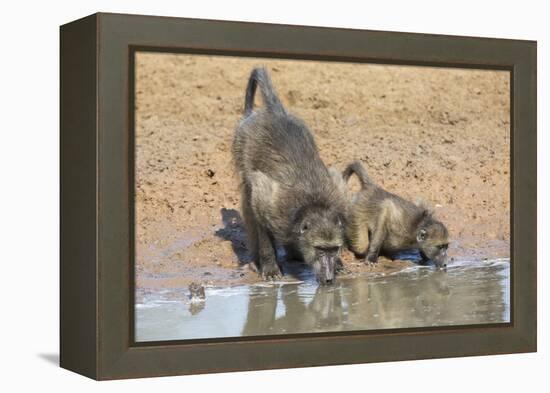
(234, 231)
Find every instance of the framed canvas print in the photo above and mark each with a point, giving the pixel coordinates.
(240, 196)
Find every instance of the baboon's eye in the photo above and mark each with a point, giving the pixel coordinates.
(443, 246)
(422, 235)
(304, 227)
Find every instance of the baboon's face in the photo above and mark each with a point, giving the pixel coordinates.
(319, 238)
(433, 239)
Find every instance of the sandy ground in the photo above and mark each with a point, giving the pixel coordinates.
(442, 135)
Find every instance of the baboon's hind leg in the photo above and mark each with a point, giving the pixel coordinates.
(378, 235)
(359, 237)
(259, 241)
(249, 224)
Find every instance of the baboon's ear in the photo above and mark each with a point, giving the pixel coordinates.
(427, 213)
(421, 235)
(263, 187)
(421, 203)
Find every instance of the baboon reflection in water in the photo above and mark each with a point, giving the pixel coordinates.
(421, 298)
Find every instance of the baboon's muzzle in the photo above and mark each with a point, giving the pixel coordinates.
(440, 259)
(325, 264)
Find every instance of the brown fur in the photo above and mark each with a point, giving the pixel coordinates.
(288, 195)
(383, 223)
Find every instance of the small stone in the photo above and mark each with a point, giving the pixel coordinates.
(196, 292)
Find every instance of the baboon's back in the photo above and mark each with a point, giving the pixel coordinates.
(279, 146)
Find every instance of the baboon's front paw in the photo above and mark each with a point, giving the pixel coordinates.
(341, 269)
(372, 259)
(271, 272)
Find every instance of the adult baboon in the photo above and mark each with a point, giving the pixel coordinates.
(288, 196)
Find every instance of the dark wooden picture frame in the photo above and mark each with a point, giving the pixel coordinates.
(97, 257)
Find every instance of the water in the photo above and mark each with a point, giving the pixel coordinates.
(469, 292)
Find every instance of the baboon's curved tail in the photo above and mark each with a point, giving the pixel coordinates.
(357, 168)
(259, 76)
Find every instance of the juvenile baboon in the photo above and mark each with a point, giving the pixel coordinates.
(382, 222)
(288, 196)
